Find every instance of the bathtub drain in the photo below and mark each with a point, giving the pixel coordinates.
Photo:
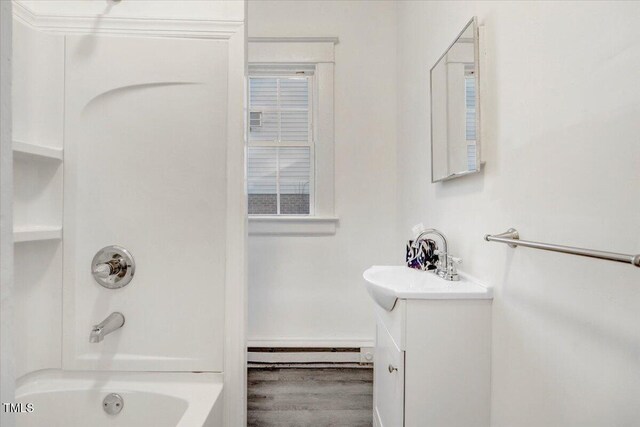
(112, 404)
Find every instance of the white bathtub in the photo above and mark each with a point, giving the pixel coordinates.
(74, 399)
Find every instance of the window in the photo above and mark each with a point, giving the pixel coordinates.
(280, 160)
(471, 122)
(290, 136)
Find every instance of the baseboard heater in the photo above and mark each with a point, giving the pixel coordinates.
(310, 355)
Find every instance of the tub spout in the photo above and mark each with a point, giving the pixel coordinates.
(108, 325)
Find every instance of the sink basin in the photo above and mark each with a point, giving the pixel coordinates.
(387, 284)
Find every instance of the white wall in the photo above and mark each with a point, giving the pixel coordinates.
(560, 116)
(309, 290)
(7, 357)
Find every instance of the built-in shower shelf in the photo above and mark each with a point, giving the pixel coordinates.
(36, 233)
(36, 151)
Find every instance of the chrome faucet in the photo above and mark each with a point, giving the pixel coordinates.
(446, 265)
(111, 323)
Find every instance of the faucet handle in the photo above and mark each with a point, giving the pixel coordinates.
(113, 267)
(102, 270)
(454, 259)
(452, 271)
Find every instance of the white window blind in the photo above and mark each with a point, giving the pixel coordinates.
(471, 126)
(280, 155)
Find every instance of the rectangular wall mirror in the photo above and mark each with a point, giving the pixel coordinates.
(455, 108)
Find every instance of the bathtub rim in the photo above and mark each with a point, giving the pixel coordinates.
(202, 391)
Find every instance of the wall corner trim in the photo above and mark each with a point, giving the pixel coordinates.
(101, 24)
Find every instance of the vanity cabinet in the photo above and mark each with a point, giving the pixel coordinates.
(432, 363)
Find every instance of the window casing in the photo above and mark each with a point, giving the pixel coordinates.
(272, 56)
(281, 152)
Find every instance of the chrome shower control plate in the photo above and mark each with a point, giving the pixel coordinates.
(112, 404)
(113, 267)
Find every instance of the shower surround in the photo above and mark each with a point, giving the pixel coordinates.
(129, 131)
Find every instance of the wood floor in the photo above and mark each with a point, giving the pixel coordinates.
(310, 397)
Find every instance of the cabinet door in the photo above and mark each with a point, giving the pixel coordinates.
(388, 397)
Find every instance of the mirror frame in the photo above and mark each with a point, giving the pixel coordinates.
(476, 59)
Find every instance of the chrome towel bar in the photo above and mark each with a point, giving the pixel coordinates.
(512, 238)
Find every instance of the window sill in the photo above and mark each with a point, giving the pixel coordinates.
(292, 225)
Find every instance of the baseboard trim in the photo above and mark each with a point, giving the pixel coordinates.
(277, 342)
(304, 356)
(303, 349)
(310, 355)
(309, 366)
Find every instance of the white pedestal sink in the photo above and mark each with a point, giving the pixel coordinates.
(432, 363)
(387, 284)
